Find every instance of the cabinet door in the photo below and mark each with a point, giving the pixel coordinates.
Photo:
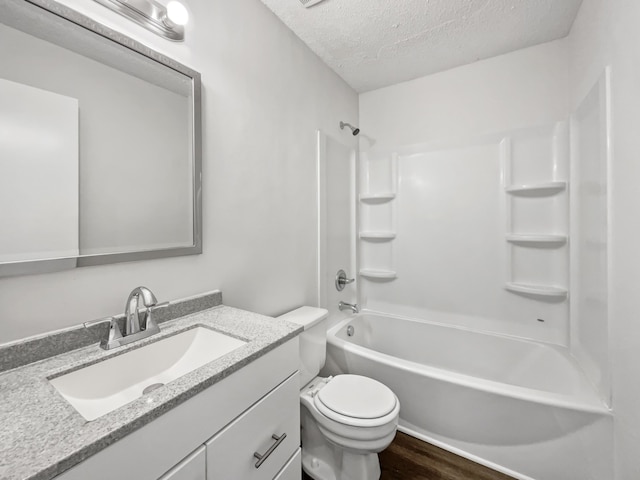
(293, 469)
(270, 429)
(194, 467)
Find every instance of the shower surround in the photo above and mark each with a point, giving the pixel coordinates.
(481, 263)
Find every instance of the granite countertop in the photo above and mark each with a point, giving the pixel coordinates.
(41, 435)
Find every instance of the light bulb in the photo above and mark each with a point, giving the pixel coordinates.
(177, 13)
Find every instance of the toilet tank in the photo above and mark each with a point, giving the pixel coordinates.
(313, 341)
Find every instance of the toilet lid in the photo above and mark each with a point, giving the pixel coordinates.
(357, 397)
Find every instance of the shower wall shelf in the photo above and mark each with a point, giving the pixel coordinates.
(377, 235)
(377, 228)
(535, 166)
(377, 197)
(535, 239)
(538, 290)
(378, 274)
(537, 189)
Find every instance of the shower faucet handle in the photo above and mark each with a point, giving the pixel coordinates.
(342, 280)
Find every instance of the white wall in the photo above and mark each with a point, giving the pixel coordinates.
(606, 33)
(524, 88)
(265, 96)
(451, 211)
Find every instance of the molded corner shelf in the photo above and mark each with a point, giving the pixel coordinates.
(377, 235)
(537, 189)
(538, 290)
(377, 197)
(379, 274)
(535, 239)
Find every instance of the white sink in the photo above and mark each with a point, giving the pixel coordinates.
(105, 386)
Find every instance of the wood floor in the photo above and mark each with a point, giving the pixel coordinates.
(411, 459)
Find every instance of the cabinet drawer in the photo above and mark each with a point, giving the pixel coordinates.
(230, 454)
(193, 467)
(293, 469)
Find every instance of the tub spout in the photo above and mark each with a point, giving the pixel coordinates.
(354, 307)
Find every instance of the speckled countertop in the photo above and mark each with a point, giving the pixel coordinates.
(41, 435)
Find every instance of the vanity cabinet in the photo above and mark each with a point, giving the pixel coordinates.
(214, 434)
(194, 467)
(293, 469)
(271, 428)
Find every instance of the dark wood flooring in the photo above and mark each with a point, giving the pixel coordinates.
(410, 459)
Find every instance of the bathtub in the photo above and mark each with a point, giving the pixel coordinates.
(520, 407)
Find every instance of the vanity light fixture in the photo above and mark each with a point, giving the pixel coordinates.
(167, 21)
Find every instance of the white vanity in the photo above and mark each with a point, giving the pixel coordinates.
(215, 434)
(210, 415)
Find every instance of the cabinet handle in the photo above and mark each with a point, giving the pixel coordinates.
(262, 457)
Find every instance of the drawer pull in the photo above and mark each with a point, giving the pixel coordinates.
(262, 457)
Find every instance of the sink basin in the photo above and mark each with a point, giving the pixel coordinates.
(105, 386)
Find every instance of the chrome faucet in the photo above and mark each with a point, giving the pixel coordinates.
(132, 319)
(133, 329)
(354, 307)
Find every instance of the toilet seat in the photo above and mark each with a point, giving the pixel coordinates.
(356, 401)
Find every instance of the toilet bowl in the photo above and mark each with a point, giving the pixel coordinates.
(347, 419)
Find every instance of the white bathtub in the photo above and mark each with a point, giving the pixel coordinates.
(520, 407)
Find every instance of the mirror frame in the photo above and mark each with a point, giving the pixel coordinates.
(48, 265)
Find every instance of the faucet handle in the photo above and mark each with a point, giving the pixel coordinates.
(114, 335)
(159, 306)
(149, 324)
(342, 280)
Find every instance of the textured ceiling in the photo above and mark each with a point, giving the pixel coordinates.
(375, 43)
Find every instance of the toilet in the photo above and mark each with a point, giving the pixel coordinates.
(347, 419)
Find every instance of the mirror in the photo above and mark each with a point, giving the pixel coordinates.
(100, 156)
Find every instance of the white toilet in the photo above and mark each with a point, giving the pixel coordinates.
(346, 419)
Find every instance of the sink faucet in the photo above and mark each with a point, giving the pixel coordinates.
(132, 318)
(133, 329)
(354, 307)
